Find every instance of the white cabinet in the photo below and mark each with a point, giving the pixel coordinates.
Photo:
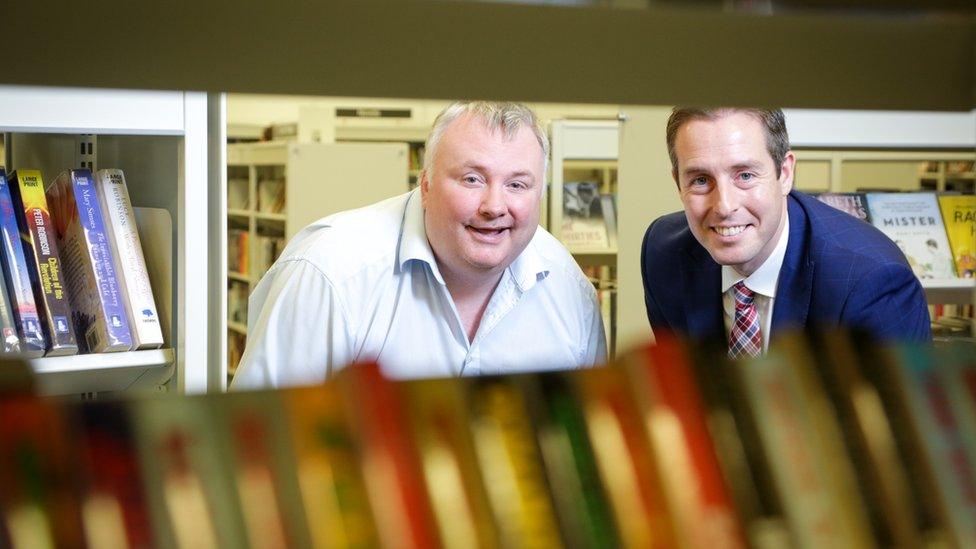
(160, 140)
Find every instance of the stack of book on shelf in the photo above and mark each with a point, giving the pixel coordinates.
(74, 274)
(936, 232)
(827, 441)
(271, 195)
(237, 251)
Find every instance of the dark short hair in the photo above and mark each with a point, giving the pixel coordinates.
(772, 120)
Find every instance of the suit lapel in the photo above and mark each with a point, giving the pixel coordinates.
(796, 276)
(703, 282)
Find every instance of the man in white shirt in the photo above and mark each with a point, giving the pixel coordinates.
(453, 278)
(749, 256)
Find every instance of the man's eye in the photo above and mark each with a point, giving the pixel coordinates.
(520, 185)
(746, 176)
(470, 179)
(698, 181)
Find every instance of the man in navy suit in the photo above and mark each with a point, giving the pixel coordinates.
(749, 256)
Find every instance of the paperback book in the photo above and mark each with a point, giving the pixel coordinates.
(588, 218)
(17, 279)
(959, 215)
(130, 263)
(43, 262)
(914, 223)
(855, 204)
(96, 299)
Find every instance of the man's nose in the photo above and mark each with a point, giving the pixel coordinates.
(726, 198)
(493, 201)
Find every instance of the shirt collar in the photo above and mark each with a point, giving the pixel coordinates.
(763, 280)
(527, 269)
(413, 236)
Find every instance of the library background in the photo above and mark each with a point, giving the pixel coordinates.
(124, 323)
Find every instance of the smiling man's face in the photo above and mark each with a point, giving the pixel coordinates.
(734, 200)
(481, 198)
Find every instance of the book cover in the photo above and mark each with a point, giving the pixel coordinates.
(129, 261)
(114, 506)
(17, 280)
(327, 461)
(97, 307)
(190, 489)
(868, 436)
(623, 456)
(957, 367)
(510, 460)
(855, 204)
(394, 478)
(959, 216)
(253, 431)
(913, 221)
(440, 421)
(942, 439)
(43, 261)
(584, 226)
(9, 341)
(581, 503)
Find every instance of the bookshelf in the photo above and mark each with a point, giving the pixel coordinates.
(159, 139)
(274, 189)
(584, 170)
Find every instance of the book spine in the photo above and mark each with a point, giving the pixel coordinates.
(115, 326)
(43, 262)
(17, 277)
(130, 263)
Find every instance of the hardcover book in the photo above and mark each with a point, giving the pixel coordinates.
(96, 298)
(17, 279)
(914, 223)
(130, 263)
(959, 216)
(43, 262)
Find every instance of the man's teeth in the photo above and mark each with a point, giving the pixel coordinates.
(730, 231)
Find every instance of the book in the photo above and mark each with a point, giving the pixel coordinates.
(623, 454)
(852, 203)
(97, 307)
(327, 462)
(582, 506)
(913, 221)
(9, 341)
(129, 261)
(43, 262)
(584, 220)
(440, 427)
(17, 280)
(959, 216)
(271, 194)
(671, 403)
(510, 460)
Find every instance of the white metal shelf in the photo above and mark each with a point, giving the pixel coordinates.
(67, 375)
(949, 291)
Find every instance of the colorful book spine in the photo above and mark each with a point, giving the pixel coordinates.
(130, 263)
(17, 278)
(9, 342)
(93, 288)
(43, 262)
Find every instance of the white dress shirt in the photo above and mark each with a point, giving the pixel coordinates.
(762, 282)
(363, 285)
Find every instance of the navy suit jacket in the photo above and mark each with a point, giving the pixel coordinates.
(838, 271)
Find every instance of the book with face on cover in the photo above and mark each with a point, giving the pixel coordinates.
(440, 428)
(855, 204)
(130, 263)
(959, 216)
(97, 304)
(913, 221)
(43, 261)
(28, 337)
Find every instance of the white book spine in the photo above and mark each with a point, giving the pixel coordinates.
(129, 260)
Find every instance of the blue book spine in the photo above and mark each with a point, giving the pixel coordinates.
(16, 277)
(102, 259)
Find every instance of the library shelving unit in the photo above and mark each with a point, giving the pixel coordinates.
(160, 141)
(274, 189)
(585, 152)
(866, 170)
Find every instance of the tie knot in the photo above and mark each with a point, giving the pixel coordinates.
(743, 295)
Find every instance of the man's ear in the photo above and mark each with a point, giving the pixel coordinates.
(424, 186)
(674, 175)
(786, 172)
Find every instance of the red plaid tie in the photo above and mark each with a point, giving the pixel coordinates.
(745, 338)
